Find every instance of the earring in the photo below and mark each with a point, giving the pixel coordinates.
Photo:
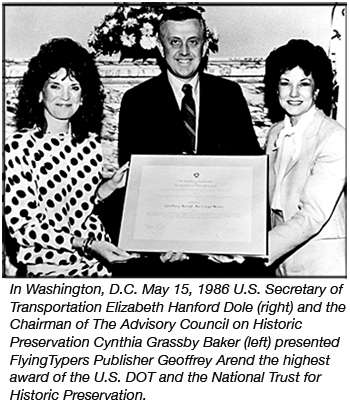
(316, 94)
(40, 97)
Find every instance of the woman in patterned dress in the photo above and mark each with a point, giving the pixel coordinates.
(53, 166)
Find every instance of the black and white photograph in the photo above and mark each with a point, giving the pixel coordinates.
(174, 216)
(187, 140)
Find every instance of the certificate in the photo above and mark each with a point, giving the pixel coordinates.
(196, 204)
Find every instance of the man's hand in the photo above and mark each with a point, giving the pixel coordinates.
(173, 256)
(220, 258)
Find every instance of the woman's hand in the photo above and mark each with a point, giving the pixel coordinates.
(119, 178)
(173, 256)
(110, 253)
(116, 182)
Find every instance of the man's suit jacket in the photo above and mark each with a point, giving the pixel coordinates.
(150, 123)
(309, 234)
(150, 120)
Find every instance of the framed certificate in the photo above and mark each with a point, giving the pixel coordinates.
(196, 204)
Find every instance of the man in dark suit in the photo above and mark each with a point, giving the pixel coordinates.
(152, 118)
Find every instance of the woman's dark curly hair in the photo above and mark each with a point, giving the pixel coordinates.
(312, 59)
(79, 63)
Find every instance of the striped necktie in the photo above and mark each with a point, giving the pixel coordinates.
(188, 111)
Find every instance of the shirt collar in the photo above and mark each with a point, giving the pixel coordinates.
(178, 83)
(295, 131)
(304, 121)
(61, 134)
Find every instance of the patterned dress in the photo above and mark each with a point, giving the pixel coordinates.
(50, 188)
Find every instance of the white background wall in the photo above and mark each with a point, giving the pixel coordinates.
(245, 30)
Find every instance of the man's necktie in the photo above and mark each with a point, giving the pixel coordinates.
(188, 111)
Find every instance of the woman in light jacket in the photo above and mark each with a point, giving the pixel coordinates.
(307, 170)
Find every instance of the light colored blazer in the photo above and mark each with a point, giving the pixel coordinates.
(308, 237)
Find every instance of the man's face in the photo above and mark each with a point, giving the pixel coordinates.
(183, 47)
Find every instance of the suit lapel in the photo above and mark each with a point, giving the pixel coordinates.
(273, 154)
(167, 100)
(169, 116)
(308, 139)
(274, 151)
(205, 109)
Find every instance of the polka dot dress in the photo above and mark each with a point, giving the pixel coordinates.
(50, 187)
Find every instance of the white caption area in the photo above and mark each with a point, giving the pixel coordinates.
(175, 342)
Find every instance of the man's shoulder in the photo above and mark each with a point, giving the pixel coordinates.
(146, 85)
(219, 81)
